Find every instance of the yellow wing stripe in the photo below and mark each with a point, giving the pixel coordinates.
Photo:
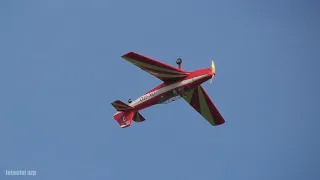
(204, 108)
(189, 96)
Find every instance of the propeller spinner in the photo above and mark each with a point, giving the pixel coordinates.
(213, 69)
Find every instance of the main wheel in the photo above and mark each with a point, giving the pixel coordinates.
(179, 61)
(129, 101)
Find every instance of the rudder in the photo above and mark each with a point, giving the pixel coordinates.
(124, 119)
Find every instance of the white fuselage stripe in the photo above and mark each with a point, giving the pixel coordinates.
(162, 90)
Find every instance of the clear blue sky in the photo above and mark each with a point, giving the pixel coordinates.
(60, 68)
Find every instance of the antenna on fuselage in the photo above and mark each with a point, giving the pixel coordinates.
(179, 62)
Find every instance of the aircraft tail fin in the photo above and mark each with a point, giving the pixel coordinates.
(125, 114)
(124, 119)
(121, 106)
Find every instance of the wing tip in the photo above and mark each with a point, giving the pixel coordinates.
(128, 54)
(220, 123)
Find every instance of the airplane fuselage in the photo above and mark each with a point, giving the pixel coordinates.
(167, 90)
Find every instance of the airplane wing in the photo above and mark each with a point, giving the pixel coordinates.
(201, 102)
(158, 69)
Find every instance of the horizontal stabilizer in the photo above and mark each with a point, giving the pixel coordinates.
(138, 117)
(121, 106)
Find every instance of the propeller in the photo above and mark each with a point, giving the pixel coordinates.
(213, 69)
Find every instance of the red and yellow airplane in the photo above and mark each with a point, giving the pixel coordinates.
(177, 83)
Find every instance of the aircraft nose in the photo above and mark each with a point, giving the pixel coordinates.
(212, 72)
(213, 68)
